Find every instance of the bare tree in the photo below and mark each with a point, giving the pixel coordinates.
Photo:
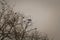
(14, 25)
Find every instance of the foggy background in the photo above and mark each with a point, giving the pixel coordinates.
(45, 14)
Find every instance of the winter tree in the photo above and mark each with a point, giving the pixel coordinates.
(14, 25)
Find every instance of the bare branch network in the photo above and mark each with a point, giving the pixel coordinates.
(14, 25)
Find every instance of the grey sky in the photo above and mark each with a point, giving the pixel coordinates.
(44, 13)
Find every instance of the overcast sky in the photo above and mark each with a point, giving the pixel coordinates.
(44, 13)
